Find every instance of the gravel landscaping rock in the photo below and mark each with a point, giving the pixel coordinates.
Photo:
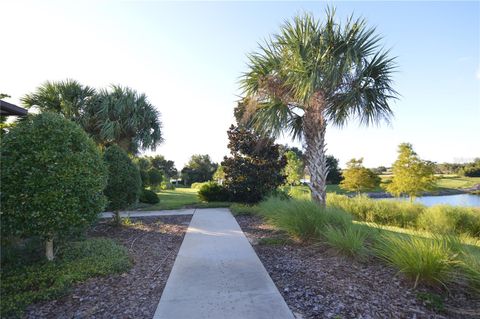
(317, 283)
(153, 243)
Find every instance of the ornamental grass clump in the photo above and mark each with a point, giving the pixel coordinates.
(349, 241)
(451, 219)
(303, 219)
(425, 260)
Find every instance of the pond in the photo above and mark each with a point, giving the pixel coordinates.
(455, 200)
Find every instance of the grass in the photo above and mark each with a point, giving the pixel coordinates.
(26, 283)
(457, 182)
(181, 198)
(349, 241)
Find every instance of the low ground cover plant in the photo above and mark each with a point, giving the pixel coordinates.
(148, 197)
(23, 284)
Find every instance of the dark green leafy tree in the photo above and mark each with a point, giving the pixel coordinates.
(254, 168)
(52, 178)
(166, 166)
(313, 74)
(334, 175)
(199, 169)
(155, 178)
(124, 182)
(357, 178)
(123, 117)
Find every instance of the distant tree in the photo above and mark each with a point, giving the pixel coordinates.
(379, 170)
(334, 175)
(52, 179)
(166, 166)
(68, 98)
(357, 178)
(219, 175)
(123, 117)
(294, 168)
(254, 168)
(411, 175)
(471, 169)
(155, 178)
(124, 182)
(199, 169)
(313, 74)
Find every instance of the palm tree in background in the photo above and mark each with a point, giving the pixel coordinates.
(124, 117)
(313, 74)
(117, 116)
(68, 98)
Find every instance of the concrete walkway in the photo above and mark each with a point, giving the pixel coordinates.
(217, 275)
(146, 213)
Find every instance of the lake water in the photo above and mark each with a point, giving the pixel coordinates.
(455, 200)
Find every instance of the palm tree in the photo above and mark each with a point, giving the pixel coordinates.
(122, 116)
(68, 98)
(313, 74)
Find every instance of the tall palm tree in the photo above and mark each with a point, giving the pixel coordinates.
(313, 74)
(124, 117)
(68, 98)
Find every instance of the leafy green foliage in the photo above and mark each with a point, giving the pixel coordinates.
(198, 185)
(124, 182)
(219, 175)
(254, 168)
(238, 209)
(149, 197)
(357, 178)
(411, 175)
(199, 169)
(334, 174)
(166, 166)
(294, 168)
(123, 117)
(213, 192)
(68, 98)
(25, 284)
(155, 177)
(52, 178)
(471, 169)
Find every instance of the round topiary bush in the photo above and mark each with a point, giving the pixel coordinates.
(213, 192)
(52, 179)
(124, 181)
(149, 197)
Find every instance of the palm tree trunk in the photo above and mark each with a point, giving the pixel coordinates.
(314, 129)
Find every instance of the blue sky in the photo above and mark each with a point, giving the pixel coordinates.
(187, 57)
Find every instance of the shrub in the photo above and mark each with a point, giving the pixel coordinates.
(302, 219)
(124, 182)
(212, 192)
(148, 197)
(167, 186)
(451, 219)
(26, 284)
(198, 185)
(254, 168)
(243, 209)
(155, 177)
(349, 240)
(52, 179)
(422, 260)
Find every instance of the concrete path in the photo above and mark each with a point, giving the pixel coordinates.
(146, 213)
(217, 275)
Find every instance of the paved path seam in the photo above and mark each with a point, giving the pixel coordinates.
(218, 275)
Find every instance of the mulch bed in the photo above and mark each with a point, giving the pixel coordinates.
(317, 283)
(153, 245)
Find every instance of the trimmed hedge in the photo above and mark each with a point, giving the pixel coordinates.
(213, 192)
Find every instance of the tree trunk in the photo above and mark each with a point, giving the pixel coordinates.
(314, 129)
(49, 249)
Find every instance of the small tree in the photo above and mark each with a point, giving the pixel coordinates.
(254, 168)
(294, 168)
(124, 182)
(334, 175)
(52, 179)
(357, 178)
(411, 175)
(219, 175)
(199, 169)
(155, 178)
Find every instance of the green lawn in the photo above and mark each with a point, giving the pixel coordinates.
(181, 198)
(457, 182)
